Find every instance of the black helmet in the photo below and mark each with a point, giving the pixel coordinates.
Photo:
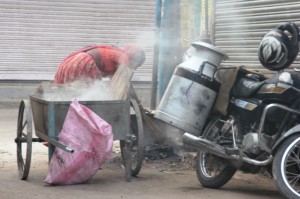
(278, 49)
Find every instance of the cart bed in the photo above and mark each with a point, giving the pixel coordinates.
(49, 116)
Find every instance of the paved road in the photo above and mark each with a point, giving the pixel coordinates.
(153, 182)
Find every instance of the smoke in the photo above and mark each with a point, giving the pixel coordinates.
(81, 90)
(90, 90)
(145, 40)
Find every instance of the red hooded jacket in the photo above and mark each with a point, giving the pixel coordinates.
(80, 65)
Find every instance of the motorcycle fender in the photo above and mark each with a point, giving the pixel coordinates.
(292, 131)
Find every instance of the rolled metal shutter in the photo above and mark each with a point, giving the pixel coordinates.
(240, 25)
(37, 34)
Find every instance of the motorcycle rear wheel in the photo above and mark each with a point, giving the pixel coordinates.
(286, 167)
(213, 171)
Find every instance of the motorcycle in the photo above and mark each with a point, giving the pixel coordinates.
(260, 132)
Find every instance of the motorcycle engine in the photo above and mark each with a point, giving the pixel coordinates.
(250, 143)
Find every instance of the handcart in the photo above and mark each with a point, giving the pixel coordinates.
(46, 118)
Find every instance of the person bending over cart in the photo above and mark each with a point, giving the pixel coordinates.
(95, 62)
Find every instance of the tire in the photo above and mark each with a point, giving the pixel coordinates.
(213, 171)
(137, 146)
(286, 167)
(24, 139)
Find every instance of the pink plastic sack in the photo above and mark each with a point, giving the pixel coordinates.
(91, 139)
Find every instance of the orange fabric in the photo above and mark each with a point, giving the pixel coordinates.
(81, 66)
(111, 58)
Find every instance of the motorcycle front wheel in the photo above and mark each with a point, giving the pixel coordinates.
(286, 167)
(213, 171)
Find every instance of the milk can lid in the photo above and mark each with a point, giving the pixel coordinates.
(207, 45)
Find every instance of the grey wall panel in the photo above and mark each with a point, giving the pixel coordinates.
(37, 34)
(240, 25)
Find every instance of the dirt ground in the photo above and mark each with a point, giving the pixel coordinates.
(157, 179)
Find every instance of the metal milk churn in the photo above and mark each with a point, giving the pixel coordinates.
(192, 90)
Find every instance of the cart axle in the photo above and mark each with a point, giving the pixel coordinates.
(24, 139)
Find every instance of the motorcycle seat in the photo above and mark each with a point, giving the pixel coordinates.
(245, 87)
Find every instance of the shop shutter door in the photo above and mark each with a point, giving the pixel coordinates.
(37, 34)
(240, 25)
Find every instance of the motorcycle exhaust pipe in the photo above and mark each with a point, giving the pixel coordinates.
(205, 145)
(218, 150)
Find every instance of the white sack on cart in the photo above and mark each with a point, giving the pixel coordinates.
(90, 137)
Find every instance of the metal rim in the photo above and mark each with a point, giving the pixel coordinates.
(24, 137)
(291, 162)
(137, 146)
(211, 165)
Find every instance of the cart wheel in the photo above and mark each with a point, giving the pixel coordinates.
(24, 139)
(137, 146)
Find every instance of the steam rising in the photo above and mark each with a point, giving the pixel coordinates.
(145, 40)
(80, 90)
(89, 90)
